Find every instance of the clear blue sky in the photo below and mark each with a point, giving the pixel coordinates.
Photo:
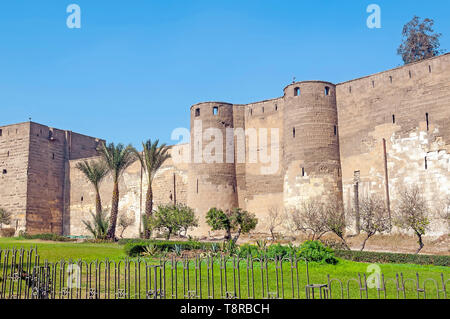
(135, 67)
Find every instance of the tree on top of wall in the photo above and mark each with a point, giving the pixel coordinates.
(152, 158)
(419, 41)
(95, 172)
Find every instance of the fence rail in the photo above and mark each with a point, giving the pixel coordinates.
(23, 275)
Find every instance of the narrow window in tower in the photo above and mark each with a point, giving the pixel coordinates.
(197, 186)
(276, 107)
(426, 163)
(373, 84)
(349, 89)
(429, 68)
(1, 132)
(263, 109)
(82, 198)
(428, 122)
(297, 91)
(390, 79)
(327, 90)
(251, 111)
(335, 130)
(293, 132)
(215, 110)
(303, 171)
(410, 75)
(393, 118)
(53, 155)
(197, 112)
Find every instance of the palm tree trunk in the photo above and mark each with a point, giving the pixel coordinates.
(148, 206)
(114, 212)
(98, 201)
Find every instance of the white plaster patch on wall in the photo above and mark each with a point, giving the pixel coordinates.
(417, 161)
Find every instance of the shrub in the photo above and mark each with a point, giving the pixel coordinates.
(134, 248)
(5, 217)
(315, 251)
(393, 258)
(99, 226)
(279, 251)
(7, 232)
(249, 250)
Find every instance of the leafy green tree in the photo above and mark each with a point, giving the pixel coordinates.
(419, 41)
(95, 172)
(242, 221)
(118, 159)
(152, 158)
(237, 220)
(173, 219)
(5, 217)
(218, 220)
(412, 213)
(99, 225)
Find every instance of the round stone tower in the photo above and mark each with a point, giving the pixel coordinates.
(311, 144)
(212, 173)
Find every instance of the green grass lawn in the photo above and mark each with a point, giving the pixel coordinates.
(345, 270)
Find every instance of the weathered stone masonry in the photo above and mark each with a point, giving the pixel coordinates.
(365, 136)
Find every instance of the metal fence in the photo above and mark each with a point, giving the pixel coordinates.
(24, 276)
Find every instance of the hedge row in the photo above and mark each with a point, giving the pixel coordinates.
(134, 248)
(52, 237)
(377, 257)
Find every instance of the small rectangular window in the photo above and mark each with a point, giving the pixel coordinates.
(428, 122)
(335, 130)
(390, 79)
(215, 110)
(426, 163)
(276, 107)
(349, 89)
(1, 132)
(429, 68)
(303, 171)
(297, 92)
(373, 84)
(293, 132)
(197, 186)
(393, 118)
(197, 112)
(263, 109)
(327, 90)
(410, 75)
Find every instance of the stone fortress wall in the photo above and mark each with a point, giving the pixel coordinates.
(366, 136)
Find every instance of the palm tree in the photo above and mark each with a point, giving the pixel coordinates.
(118, 159)
(95, 172)
(152, 158)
